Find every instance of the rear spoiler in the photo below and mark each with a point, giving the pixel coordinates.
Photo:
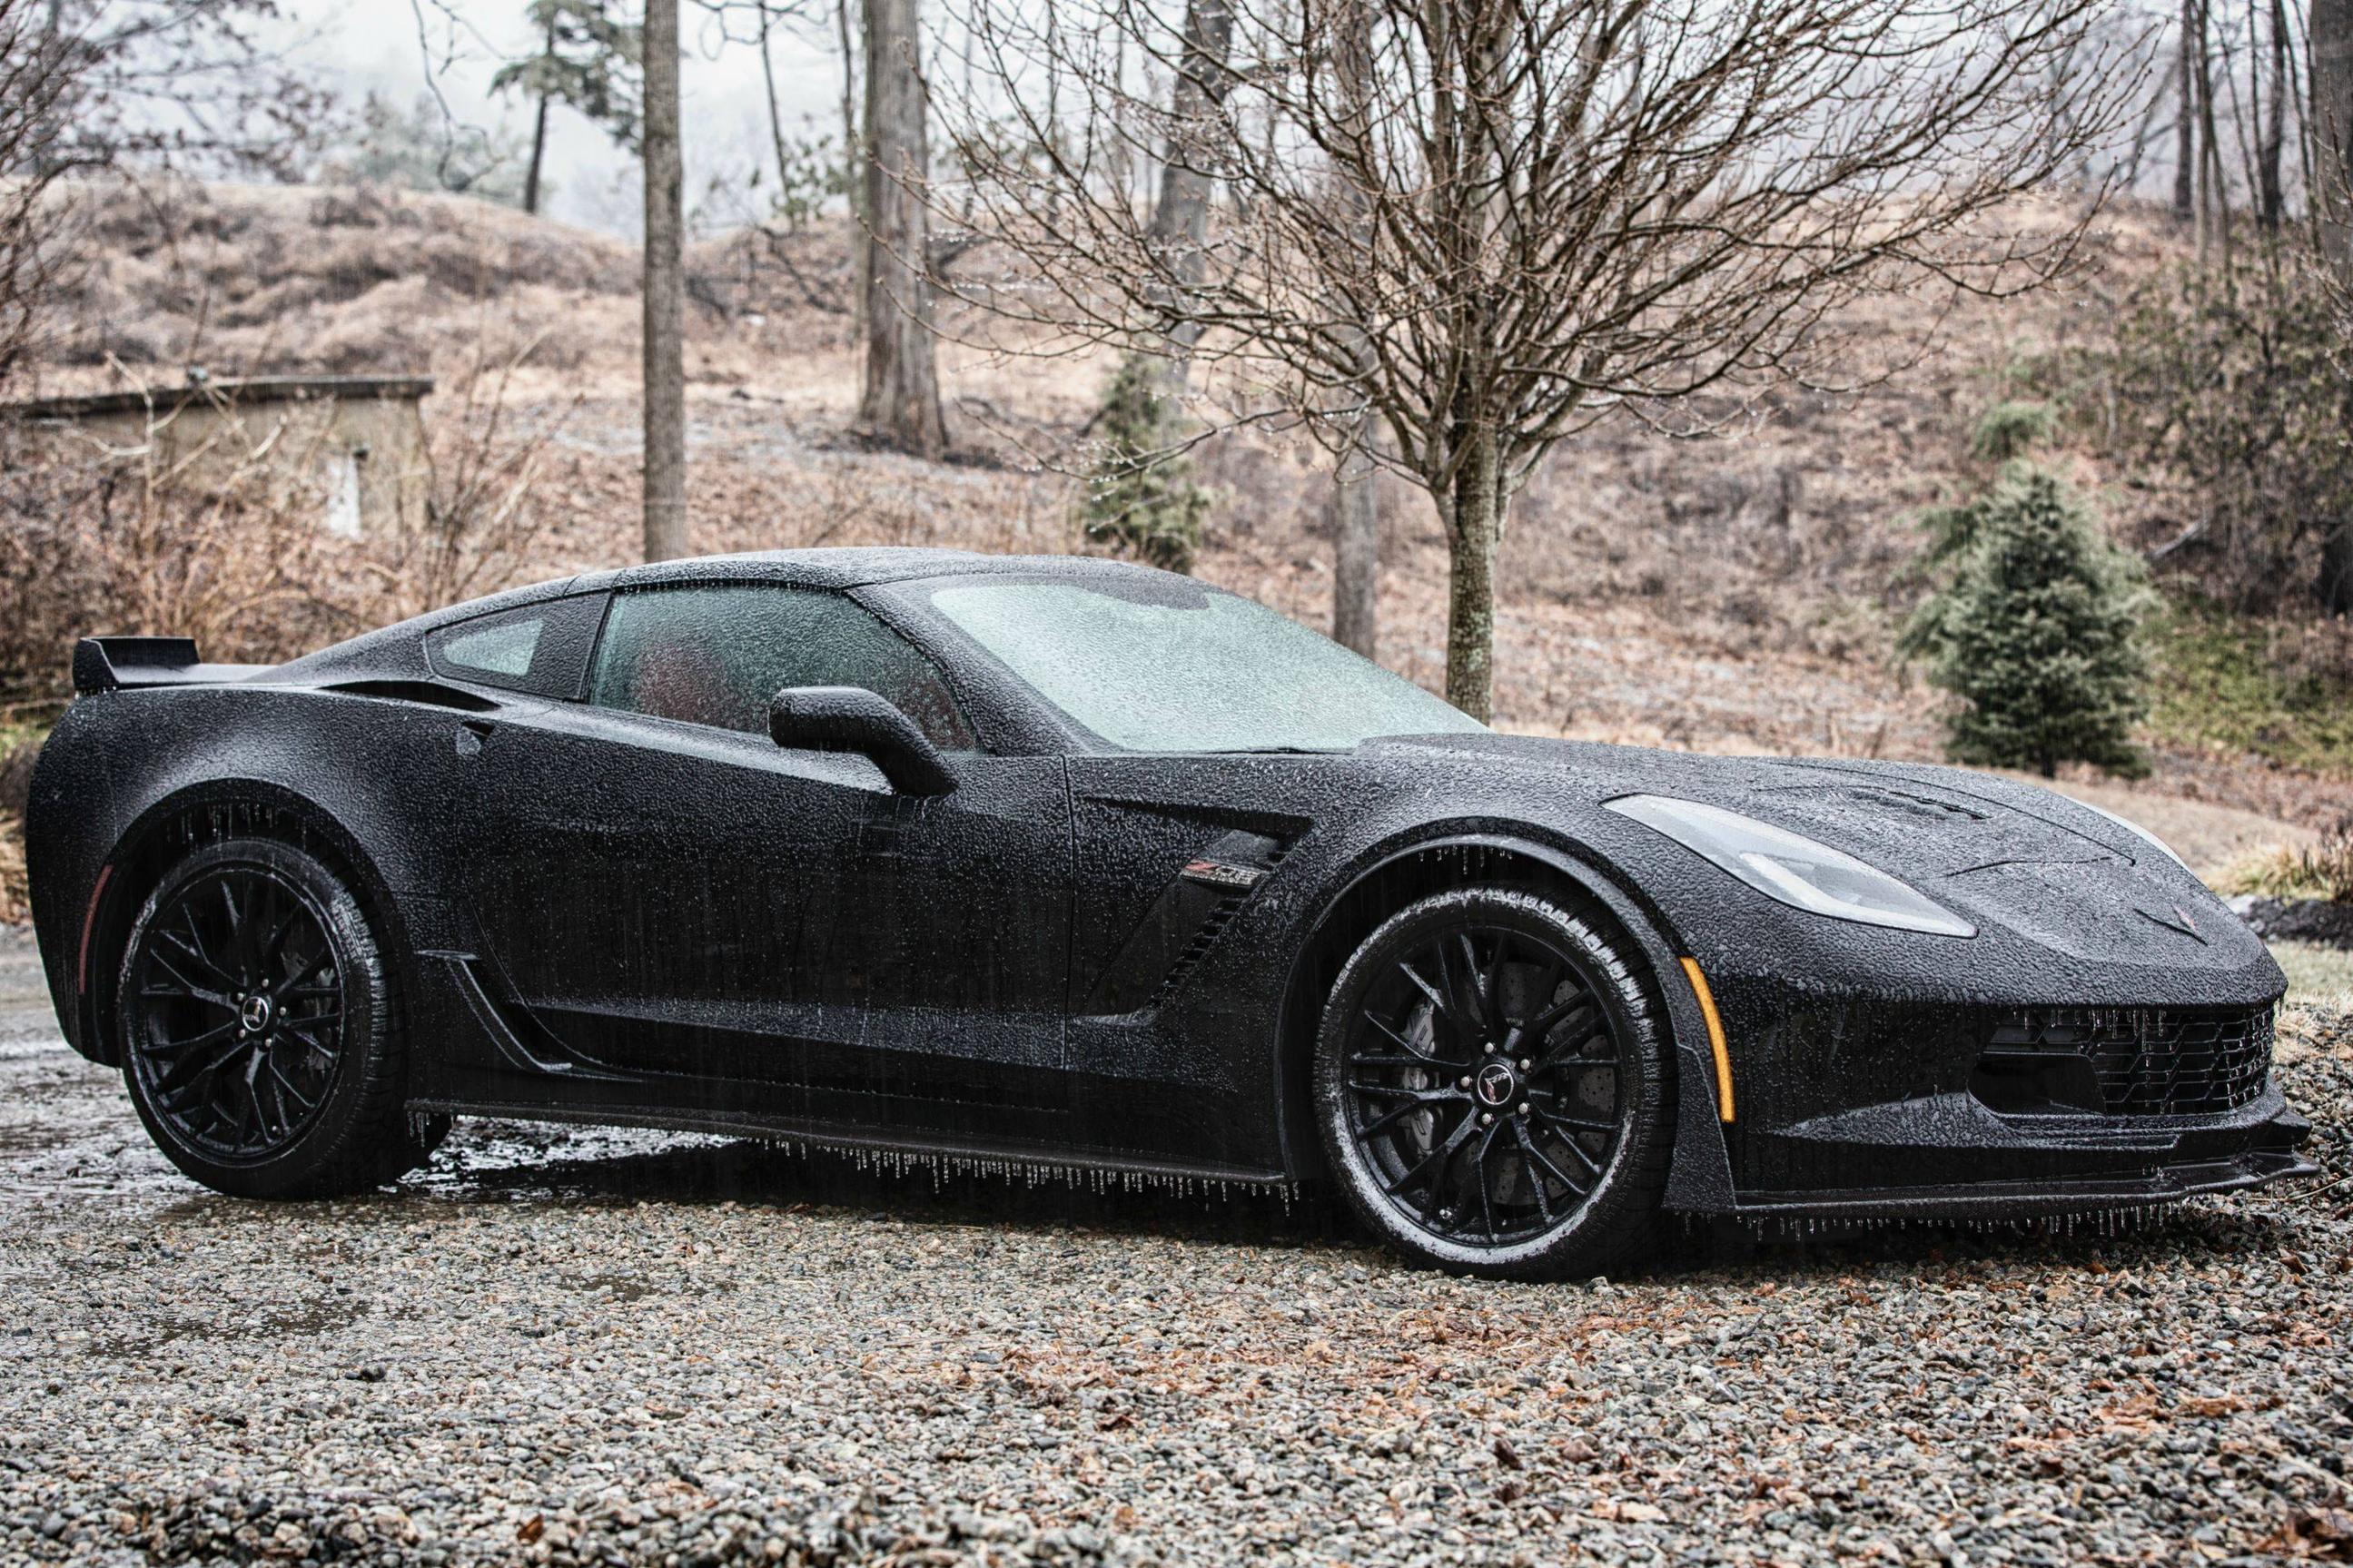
(110, 664)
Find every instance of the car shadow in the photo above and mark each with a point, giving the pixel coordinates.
(525, 1164)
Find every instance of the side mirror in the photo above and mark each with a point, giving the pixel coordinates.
(852, 719)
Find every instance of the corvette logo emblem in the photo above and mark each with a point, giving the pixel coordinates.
(1497, 1082)
(1220, 874)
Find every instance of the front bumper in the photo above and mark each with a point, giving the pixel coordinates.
(2004, 1168)
(1988, 1108)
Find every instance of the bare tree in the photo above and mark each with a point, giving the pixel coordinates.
(88, 86)
(32, 80)
(1178, 233)
(1577, 207)
(898, 401)
(853, 152)
(190, 85)
(2329, 119)
(2271, 115)
(2184, 124)
(665, 291)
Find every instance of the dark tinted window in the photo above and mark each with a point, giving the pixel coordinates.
(719, 654)
(540, 648)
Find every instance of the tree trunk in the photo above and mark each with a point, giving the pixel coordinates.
(2214, 186)
(665, 349)
(900, 403)
(1356, 506)
(776, 113)
(1474, 112)
(45, 139)
(2185, 126)
(538, 153)
(2330, 50)
(1473, 513)
(1356, 512)
(2212, 198)
(1181, 217)
(2271, 199)
(853, 165)
(538, 128)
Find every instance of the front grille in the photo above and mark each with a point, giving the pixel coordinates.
(2145, 1062)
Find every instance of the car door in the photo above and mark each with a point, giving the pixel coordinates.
(674, 899)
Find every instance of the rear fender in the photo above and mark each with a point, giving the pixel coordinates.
(164, 834)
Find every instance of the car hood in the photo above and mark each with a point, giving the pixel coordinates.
(1989, 848)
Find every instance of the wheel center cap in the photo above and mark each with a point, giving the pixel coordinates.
(254, 1014)
(1497, 1084)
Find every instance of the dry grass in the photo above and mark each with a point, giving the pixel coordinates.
(16, 906)
(17, 750)
(2323, 870)
(218, 537)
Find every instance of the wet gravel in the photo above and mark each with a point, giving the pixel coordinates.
(561, 1347)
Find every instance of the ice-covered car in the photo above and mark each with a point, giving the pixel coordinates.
(1080, 864)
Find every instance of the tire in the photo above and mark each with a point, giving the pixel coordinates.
(259, 1029)
(1505, 1006)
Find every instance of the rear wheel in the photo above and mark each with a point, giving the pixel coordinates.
(1492, 1088)
(257, 1018)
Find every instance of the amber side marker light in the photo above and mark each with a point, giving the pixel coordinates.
(89, 922)
(1715, 1038)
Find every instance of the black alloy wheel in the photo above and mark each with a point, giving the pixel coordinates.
(239, 1005)
(253, 1011)
(1491, 1087)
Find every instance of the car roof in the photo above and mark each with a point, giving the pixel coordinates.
(854, 566)
(850, 566)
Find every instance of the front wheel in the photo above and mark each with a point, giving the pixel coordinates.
(257, 1020)
(1492, 1088)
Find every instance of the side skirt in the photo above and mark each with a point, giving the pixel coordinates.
(830, 1137)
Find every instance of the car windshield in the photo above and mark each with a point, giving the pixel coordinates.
(1171, 665)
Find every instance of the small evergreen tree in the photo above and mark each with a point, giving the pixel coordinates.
(2035, 626)
(1142, 499)
(419, 149)
(2010, 430)
(591, 57)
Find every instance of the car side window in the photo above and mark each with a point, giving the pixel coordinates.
(540, 648)
(717, 654)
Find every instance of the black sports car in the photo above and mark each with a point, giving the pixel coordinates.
(1075, 863)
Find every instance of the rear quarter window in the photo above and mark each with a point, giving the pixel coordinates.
(539, 649)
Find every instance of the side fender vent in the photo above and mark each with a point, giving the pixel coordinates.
(1183, 924)
(431, 693)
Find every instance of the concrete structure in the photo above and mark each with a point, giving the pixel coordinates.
(360, 439)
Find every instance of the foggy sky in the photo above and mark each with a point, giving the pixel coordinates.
(374, 46)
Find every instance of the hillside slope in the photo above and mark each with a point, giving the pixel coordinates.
(1735, 591)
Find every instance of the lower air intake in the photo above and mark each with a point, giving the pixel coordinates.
(2125, 1061)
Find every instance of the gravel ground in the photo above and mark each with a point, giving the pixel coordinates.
(611, 1347)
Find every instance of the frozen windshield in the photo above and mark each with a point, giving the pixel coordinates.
(1171, 665)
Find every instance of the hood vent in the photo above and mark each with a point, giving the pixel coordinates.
(1915, 805)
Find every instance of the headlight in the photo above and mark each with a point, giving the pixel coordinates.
(2137, 831)
(1796, 871)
